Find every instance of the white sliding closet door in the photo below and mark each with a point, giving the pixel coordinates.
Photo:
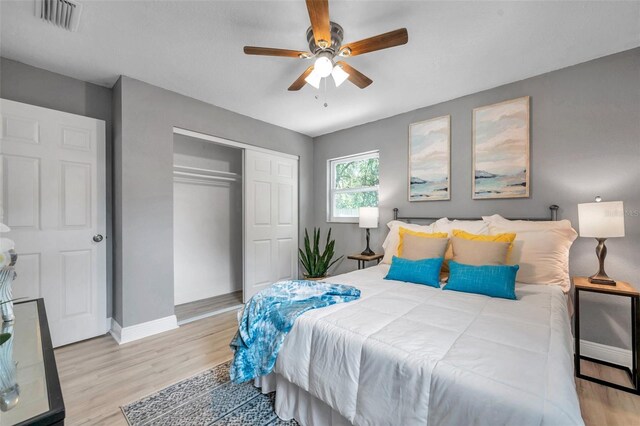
(52, 195)
(271, 220)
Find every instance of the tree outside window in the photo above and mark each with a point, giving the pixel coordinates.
(354, 182)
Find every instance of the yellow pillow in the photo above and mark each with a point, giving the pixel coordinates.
(497, 238)
(500, 238)
(404, 231)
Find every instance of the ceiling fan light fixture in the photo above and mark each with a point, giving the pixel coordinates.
(324, 38)
(339, 75)
(313, 79)
(323, 65)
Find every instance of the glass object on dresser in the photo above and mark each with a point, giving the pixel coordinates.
(30, 391)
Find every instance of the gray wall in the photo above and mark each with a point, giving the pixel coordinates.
(585, 141)
(143, 122)
(35, 86)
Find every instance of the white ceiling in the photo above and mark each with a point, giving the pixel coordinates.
(195, 48)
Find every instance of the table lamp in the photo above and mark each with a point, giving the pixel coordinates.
(368, 218)
(601, 221)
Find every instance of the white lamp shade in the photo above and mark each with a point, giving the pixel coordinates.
(339, 75)
(368, 217)
(601, 220)
(314, 79)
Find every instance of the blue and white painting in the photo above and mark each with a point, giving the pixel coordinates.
(429, 159)
(501, 150)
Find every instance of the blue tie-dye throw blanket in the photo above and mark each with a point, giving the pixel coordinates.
(269, 316)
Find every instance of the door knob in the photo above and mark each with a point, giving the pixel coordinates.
(97, 238)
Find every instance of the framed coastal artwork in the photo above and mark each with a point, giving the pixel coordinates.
(501, 150)
(430, 159)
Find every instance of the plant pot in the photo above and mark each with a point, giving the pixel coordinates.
(315, 278)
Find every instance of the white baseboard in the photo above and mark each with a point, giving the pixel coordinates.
(211, 314)
(124, 335)
(606, 353)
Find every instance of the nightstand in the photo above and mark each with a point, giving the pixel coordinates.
(622, 289)
(363, 259)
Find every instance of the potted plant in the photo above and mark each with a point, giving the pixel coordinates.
(316, 263)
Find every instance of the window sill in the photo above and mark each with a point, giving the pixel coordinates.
(342, 220)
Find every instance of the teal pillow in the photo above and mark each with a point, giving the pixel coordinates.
(490, 280)
(423, 271)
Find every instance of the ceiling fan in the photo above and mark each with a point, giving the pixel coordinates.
(325, 44)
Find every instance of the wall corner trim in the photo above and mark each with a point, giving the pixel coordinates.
(124, 335)
(606, 353)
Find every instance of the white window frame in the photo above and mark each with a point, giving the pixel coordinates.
(331, 191)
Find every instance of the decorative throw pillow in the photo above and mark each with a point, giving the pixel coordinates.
(390, 244)
(479, 252)
(490, 280)
(445, 225)
(505, 237)
(541, 248)
(421, 245)
(468, 235)
(423, 271)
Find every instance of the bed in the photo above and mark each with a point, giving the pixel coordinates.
(408, 354)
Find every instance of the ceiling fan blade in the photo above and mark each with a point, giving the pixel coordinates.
(319, 17)
(299, 83)
(379, 42)
(355, 76)
(270, 51)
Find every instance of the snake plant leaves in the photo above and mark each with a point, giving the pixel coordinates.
(315, 262)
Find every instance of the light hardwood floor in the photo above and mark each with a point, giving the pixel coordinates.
(98, 376)
(201, 308)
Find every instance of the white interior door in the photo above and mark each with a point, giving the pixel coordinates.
(271, 220)
(52, 183)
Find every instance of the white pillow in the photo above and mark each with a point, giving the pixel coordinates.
(540, 248)
(390, 244)
(478, 227)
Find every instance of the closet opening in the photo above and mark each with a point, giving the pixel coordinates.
(207, 227)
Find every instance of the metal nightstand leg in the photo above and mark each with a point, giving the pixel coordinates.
(576, 333)
(635, 361)
(635, 339)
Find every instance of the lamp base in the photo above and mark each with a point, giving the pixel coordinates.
(368, 251)
(601, 276)
(601, 279)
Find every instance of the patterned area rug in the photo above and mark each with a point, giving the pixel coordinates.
(206, 399)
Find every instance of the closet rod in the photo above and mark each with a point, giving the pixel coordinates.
(198, 169)
(207, 182)
(198, 175)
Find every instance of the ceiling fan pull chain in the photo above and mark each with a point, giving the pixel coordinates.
(325, 93)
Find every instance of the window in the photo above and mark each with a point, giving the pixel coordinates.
(353, 183)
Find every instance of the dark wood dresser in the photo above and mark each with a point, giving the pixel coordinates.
(36, 397)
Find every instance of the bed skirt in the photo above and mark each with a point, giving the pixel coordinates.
(293, 402)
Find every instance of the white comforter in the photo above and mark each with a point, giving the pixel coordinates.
(407, 354)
